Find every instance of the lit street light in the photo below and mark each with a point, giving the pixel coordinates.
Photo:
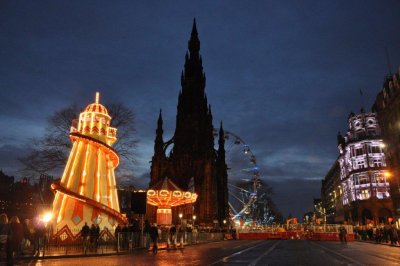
(388, 174)
(180, 218)
(46, 217)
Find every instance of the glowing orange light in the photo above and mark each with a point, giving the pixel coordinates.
(166, 195)
(88, 188)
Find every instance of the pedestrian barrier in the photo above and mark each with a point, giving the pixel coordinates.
(293, 235)
(325, 232)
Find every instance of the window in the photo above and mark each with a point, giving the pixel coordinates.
(382, 193)
(362, 180)
(361, 164)
(359, 151)
(378, 162)
(380, 179)
(364, 194)
(375, 149)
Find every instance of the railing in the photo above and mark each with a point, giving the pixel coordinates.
(123, 243)
(127, 241)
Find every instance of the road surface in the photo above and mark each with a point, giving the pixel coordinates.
(247, 252)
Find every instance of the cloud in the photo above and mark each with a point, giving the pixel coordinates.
(284, 82)
(9, 155)
(294, 195)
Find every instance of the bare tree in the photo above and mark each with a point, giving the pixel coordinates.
(50, 153)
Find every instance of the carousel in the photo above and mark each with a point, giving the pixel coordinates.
(165, 195)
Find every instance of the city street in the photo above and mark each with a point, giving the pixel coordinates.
(270, 252)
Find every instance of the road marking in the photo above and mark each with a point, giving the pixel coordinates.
(225, 259)
(338, 254)
(254, 262)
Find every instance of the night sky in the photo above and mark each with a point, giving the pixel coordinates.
(282, 76)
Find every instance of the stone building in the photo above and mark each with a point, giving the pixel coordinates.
(387, 107)
(192, 163)
(363, 172)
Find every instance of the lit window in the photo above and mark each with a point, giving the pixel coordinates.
(364, 194)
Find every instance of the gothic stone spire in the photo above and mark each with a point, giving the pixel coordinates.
(193, 132)
(159, 142)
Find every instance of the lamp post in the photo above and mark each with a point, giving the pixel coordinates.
(194, 220)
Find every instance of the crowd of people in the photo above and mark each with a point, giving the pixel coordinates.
(17, 239)
(387, 233)
(134, 235)
(29, 237)
(90, 237)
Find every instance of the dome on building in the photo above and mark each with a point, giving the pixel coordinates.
(96, 107)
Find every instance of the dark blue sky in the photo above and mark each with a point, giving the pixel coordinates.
(283, 76)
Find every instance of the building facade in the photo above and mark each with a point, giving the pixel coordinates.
(192, 163)
(331, 195)
(363, 172)
(387, 107)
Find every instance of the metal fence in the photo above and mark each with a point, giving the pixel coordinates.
(127, 241)
(122, 243)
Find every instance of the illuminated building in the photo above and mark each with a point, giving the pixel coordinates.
(331, 195)
(190, 153)
(363, 173)
(165, 194)
(87, 191)
(387, 107)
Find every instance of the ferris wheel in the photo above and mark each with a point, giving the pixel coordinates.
(243, 177)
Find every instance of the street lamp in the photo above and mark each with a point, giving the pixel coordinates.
(194, 219)
(47, 217)
(180, 218)
(388, 174)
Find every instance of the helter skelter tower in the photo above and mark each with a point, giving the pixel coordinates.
(87, 191)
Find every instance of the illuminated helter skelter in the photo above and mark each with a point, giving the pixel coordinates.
(242, 168)
(165, 194)
(87, 191)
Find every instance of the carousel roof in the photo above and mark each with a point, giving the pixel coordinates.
(166, 194)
